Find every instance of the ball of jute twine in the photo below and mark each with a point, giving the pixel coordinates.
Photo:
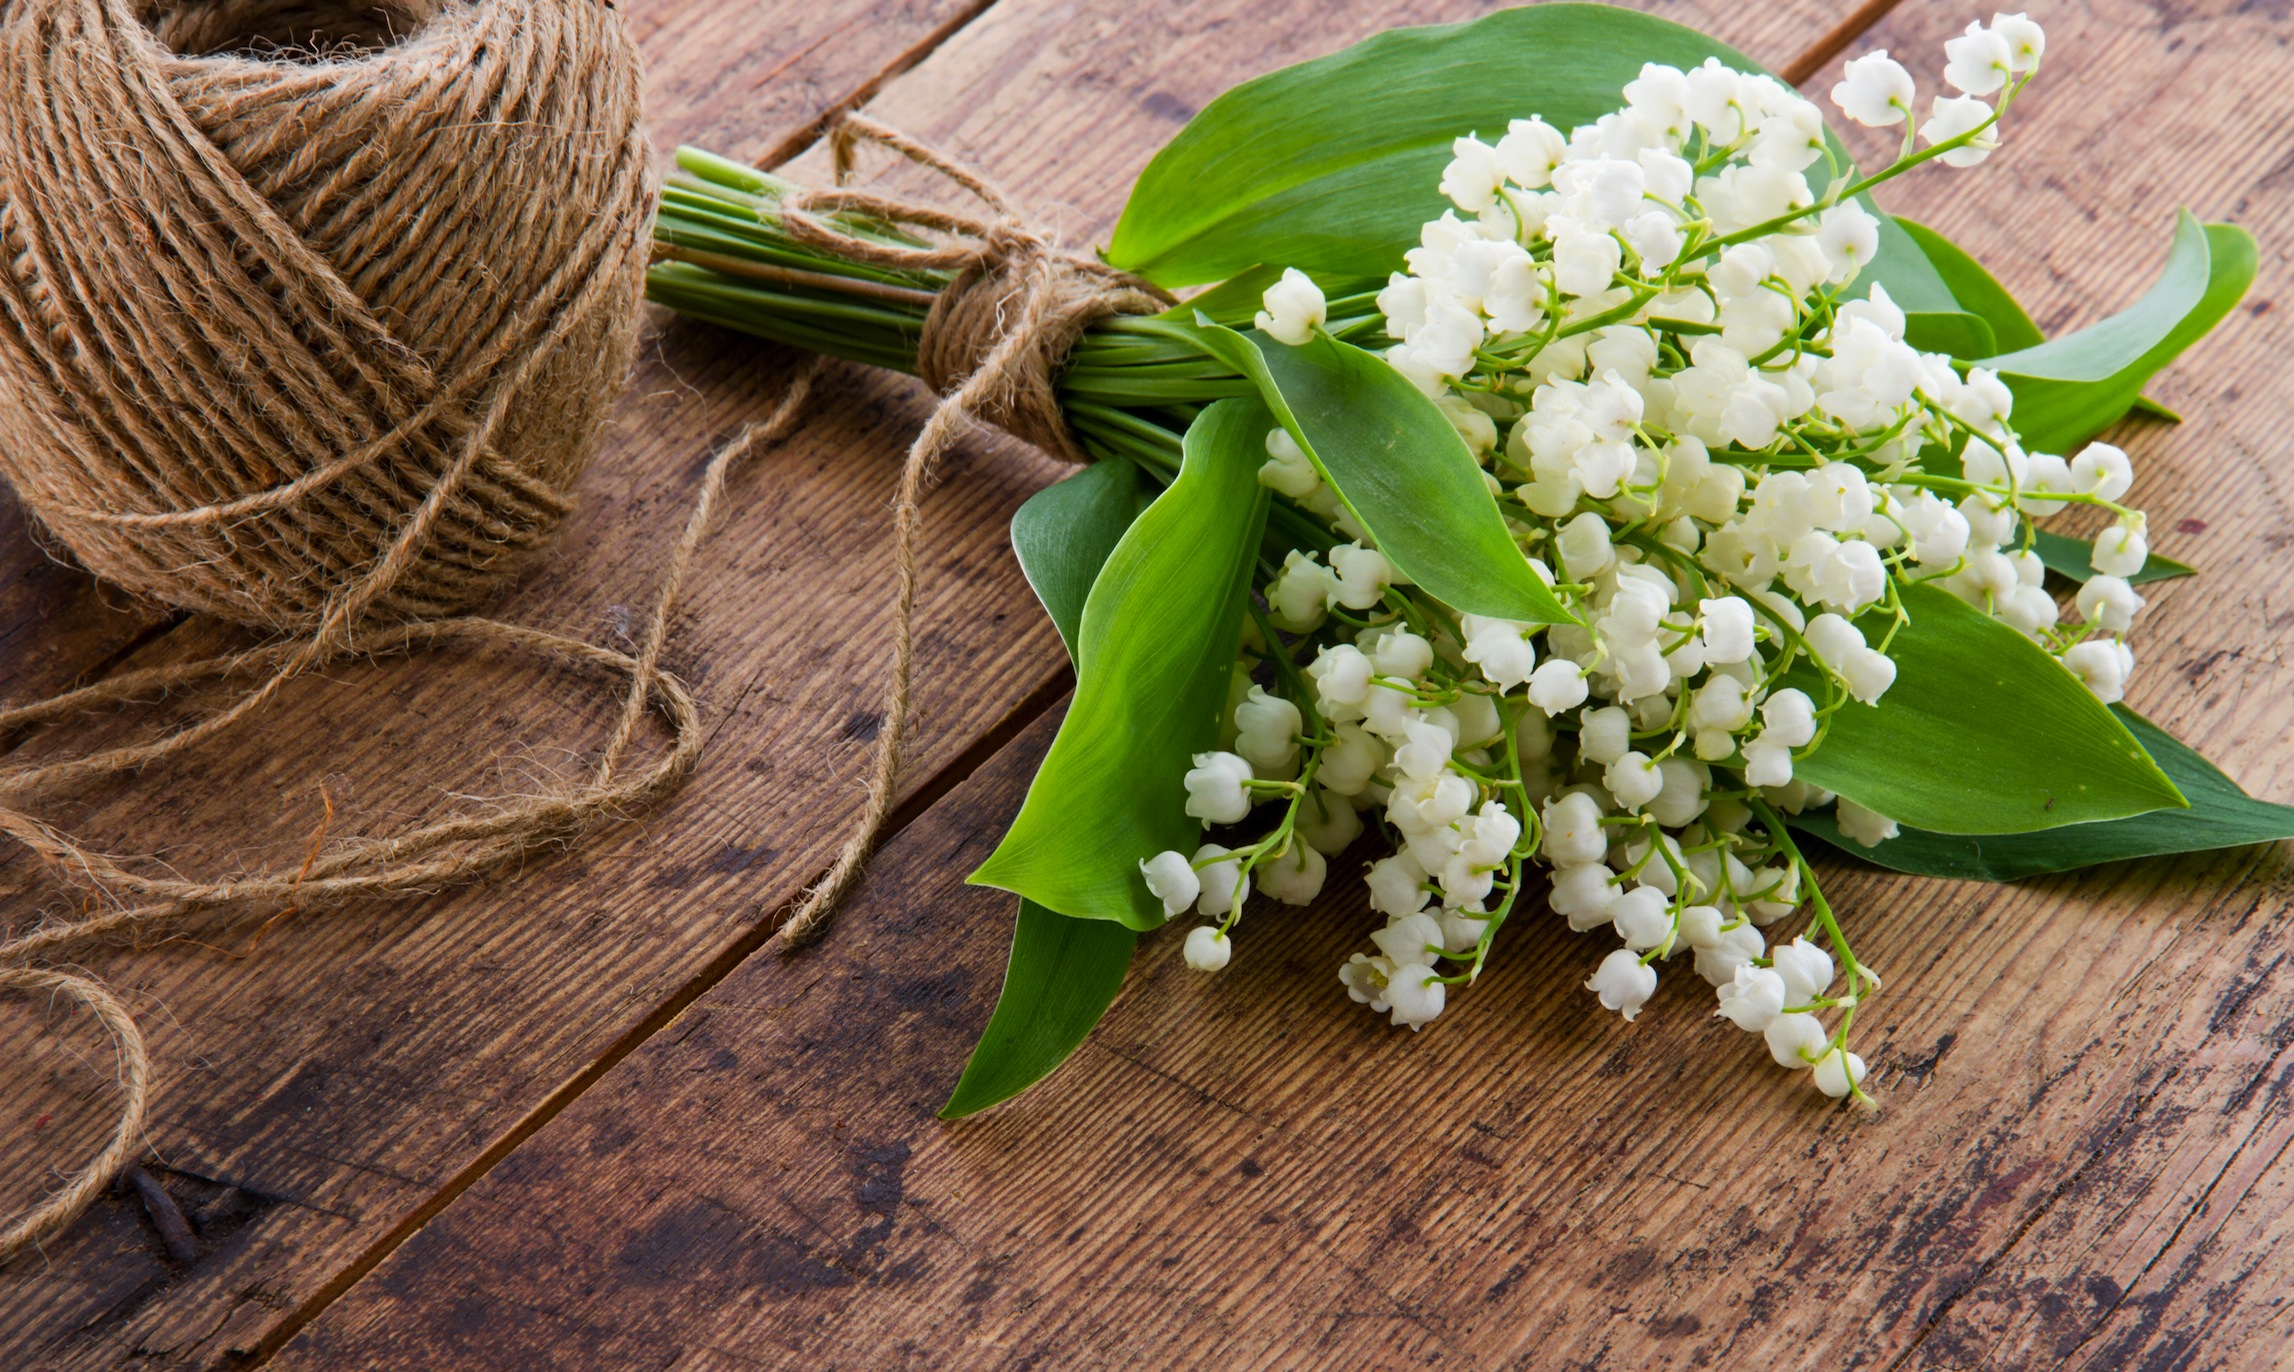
(993, 347)
(318, 344)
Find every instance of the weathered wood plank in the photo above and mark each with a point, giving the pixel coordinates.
(353, 1074)
(810, 539)
(2082, 1159)
(350, 1076)
(755, 81)
(57, 623)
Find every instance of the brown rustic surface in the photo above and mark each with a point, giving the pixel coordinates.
(2085, 1072)
(316, 1103)
(2081, 1163)
(357, 1067)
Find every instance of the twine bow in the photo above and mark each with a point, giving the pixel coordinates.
(993, 347)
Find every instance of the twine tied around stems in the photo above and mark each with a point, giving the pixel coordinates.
(992, 347)
(318, 342)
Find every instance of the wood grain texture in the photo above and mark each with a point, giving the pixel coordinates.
(357, 1071)
(57, 624)
(344, 1076)
(754, 81)
(2082, 1158)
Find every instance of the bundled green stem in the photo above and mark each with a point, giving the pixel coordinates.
(1131, 387)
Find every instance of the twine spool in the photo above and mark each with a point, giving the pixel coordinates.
(311, 320)
(268, 275)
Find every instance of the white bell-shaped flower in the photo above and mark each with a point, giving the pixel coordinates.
(1867, 827)
(1954, 115)
(1794, 1040)
(1225, 884)
(1172, 880)
(1215, 791)
(1294, 877)
(1753, 1000)
(1415, 994)
(1585, 894)
(1573, 830)
(1623, 982)
(1806, 969)
(1294, 309)
(1643, 918)
(1207, 948)
(1875, 90)
(1979, 60)
(1397, 886)
(1838, 1073)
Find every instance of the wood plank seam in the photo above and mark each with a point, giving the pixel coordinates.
(1803, 68)
(803, 138)
(663, 1016)
(1030, 708)
(934, 787)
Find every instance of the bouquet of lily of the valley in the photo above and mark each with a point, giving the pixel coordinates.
(1572, 490)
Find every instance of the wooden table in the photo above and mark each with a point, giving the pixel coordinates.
(566, 1119)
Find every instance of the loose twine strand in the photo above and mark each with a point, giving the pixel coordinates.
(992, 347)
(424, 507)
(417, 860)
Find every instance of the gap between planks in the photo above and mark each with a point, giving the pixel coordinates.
(1797, 72)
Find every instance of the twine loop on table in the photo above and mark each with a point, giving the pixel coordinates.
(318, 342)
(993, 346)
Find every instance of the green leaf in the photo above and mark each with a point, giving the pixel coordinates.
(2072, 388)
(2220, 816)
(1332, 164)
(1064, 532)
(1954, 334)
(1154, 651)
(1399, 466)
(1982, 733)
(1912, 281)
(1977, 291)
(1062, 976)
(2068, 556)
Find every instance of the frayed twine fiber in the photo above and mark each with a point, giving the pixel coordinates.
(317, 341)
(992, 347)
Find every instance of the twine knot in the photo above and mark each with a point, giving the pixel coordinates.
(993, 346)
(999, 334)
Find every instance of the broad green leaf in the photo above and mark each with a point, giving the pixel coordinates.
(1064, 532)
(1399, 466)
(1331, 165)
(1976, 291)
(1911, 280)
(1154, 650)
(2071, 388)
(1983, 733)
(2068, 556)
(2220, 816)
(1954, 334)
(1062, 976)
